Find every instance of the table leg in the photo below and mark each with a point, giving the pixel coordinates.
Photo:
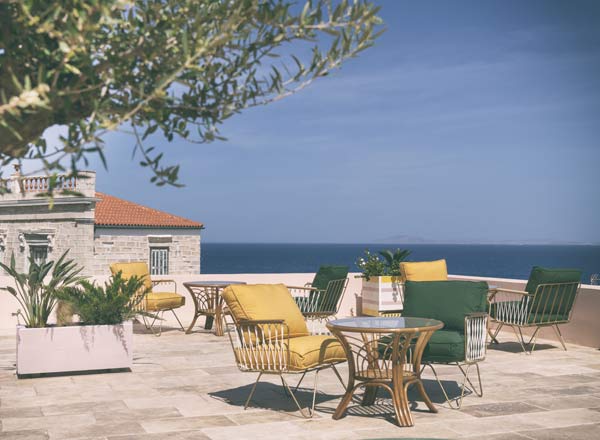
(219, 320)
(419, 347)
(196, 308)
(369, 396)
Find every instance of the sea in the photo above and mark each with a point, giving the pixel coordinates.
(501, 261)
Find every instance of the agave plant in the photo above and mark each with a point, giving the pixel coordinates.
(393, 260)
(37, 296)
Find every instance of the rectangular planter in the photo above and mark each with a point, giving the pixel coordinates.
(382, 294)
(74, 348)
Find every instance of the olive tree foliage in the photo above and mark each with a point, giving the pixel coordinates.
(176, 67)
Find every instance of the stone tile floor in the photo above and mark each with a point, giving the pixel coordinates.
(187, 387)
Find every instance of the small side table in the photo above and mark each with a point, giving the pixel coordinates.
(384, 352)
(208, 302)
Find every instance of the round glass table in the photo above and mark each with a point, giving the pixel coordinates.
(208, 301)
(384, 352)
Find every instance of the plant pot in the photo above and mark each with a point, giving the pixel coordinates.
(383, 294)
(74, 348)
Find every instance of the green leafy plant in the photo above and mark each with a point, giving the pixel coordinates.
(175, 67)
(115, 302)
(36, 296)
(393, 260)
(372, 265)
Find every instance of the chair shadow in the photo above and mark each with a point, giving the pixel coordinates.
(515, 347)
(272, 397)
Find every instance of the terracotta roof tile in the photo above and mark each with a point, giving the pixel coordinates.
(113, 211)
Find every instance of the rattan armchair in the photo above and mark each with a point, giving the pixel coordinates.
(547, 301)
(269, 336)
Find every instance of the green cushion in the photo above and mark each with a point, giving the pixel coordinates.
(558, 300)
(322, 279)
(327, 274)
(447, 301)
(445, 346)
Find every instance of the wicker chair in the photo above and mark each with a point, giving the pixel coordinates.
(269, 336)
(547, 301)
(154, 303)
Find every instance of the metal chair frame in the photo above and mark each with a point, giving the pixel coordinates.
(159, 314)
(476, 327)
(261, 346)
(320, 305)
(520, 309)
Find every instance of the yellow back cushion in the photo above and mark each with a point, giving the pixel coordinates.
(138, 268)
(265, 301)
(424, 270)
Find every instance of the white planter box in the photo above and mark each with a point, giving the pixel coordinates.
(382, 294)
(74, 348)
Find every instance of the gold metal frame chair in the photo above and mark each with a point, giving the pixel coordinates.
(546, 307)
(261, 346)
(155, 312)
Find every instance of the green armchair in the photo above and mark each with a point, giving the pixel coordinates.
(547, 301)
(461, 306)
(320, 300)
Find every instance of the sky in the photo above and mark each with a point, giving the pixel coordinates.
(468, 121)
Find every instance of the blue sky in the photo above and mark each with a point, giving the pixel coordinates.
(467, 122)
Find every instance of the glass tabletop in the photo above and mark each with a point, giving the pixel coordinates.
(213, 283)
(385, 323)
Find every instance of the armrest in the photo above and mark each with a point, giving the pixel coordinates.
(497, 290)
(476, 325)
(260, 344)
(260, 321)
(156, 282)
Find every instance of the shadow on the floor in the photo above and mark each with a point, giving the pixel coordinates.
(272, 396)
(515, 347)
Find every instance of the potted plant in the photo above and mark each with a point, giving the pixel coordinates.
(382, 287)
(101, 340)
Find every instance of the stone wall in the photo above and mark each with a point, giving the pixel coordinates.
(64, 227)
(127, 244)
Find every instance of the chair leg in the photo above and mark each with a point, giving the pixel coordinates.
(300, 381)
(252, 391)
(465, 372)
(533, 338)
(493, 336)
(559, 334)
(177, 318)
(307, 414)
(337, 373)
(151, 325)
(520, 338)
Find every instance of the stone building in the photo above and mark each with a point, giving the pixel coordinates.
(98, 229)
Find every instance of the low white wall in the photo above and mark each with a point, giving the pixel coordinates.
(9, 305)
(584, 328)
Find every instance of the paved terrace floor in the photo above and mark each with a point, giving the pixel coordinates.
(187, 387)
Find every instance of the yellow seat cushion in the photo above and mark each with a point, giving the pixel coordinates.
(138, 268)
(265, 301)
(305, 352)
(156, 301)
(310, 351)
(424, 270)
